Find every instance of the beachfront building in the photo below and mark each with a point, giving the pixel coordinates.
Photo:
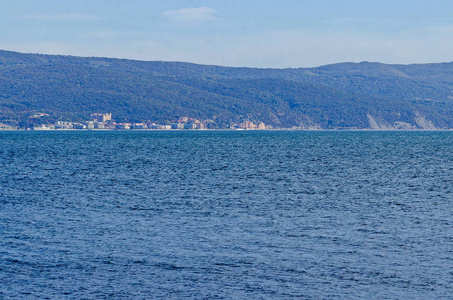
(101, 117)
(251, 125)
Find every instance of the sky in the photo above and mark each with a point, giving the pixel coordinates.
(239, 33)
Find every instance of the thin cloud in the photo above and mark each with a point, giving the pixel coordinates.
(191, 14)
(302, 48)
(108, 34)
(278, 49)
(59, 17)
(100, 34)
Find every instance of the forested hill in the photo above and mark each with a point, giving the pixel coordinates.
(345, 95)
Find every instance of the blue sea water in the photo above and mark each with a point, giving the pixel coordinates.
(226, 215)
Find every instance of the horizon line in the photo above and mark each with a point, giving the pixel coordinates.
(233, 67)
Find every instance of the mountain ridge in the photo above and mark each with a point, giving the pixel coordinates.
(335, 96)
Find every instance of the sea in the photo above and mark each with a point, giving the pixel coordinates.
(226, 215)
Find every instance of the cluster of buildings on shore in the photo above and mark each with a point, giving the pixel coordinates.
(6, 127)
(251, 125)
(103, 121)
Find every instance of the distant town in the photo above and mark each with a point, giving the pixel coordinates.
(104, 121)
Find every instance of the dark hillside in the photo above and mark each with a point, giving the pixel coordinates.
(346, 95)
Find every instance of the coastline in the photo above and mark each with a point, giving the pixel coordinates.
(239, 130)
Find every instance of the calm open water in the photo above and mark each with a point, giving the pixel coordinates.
(234, 215)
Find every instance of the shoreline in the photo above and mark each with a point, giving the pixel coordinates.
(239, 130)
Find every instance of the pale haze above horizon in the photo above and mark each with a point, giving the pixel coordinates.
(246, 33)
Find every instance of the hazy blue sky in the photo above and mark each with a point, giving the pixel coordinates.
(264, 33)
